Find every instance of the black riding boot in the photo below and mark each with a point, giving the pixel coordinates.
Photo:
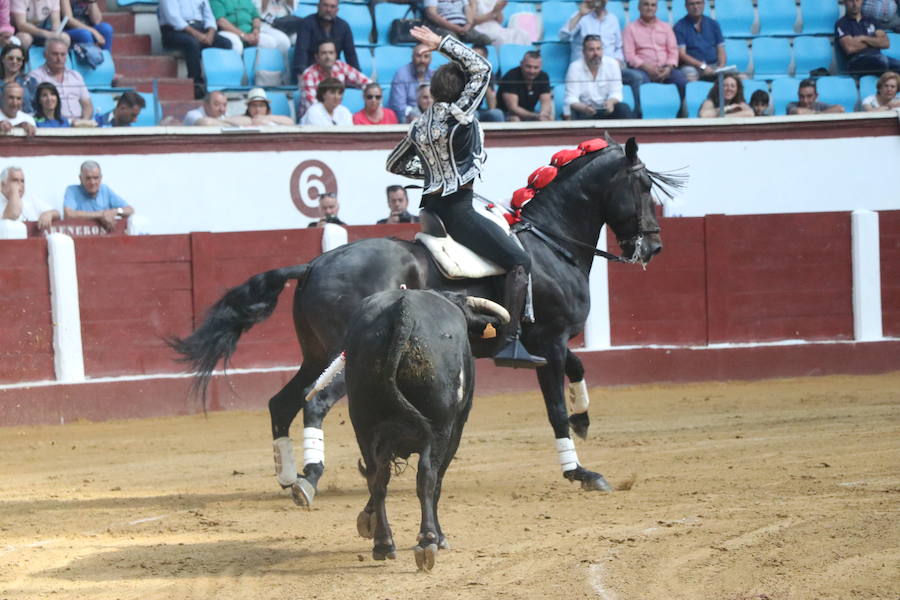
(513, 354)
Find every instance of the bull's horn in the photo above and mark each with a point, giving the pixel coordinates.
(488, 306)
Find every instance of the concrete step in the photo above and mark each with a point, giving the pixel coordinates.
(169, 88)
(178, 108)
(146, 67)
(130, 44)
(122, 22)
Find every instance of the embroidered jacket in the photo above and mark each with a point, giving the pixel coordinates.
(445, 145)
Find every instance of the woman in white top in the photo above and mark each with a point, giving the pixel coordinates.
(487, 16)
(886, 98)
(328, 110)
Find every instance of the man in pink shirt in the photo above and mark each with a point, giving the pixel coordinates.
(650, 47)
(73, 94)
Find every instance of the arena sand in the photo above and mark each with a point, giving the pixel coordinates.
(773, 490)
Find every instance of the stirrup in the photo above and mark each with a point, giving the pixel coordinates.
(516, 356)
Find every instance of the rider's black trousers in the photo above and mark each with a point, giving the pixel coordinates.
(474, 231)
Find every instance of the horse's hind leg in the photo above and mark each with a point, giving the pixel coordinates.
(283, 407)
(304, 489)
(578, 395)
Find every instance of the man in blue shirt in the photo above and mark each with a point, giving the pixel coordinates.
(406, 82)
(701, 47)
(861, 42)
(323, 25)
(125, 113)
(93, 199)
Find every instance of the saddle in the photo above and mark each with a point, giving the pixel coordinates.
(454, 260)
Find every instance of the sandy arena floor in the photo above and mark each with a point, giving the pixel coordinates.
(777, 490)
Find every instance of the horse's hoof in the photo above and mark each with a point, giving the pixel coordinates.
(383, 551)
(580, 422)
(365, 524)
(303, 492)
(596, 484)
(425, 557)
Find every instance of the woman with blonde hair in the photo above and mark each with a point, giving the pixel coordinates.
(886, 97)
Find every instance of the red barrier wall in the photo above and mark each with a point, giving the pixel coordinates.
(772, 277)
(26, 341)
(133, 291)
(889, 232)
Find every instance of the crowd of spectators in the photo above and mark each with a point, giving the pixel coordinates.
(606, 58)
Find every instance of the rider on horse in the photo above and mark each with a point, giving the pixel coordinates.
(445, 148)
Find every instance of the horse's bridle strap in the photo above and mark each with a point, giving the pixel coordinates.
(525, 225)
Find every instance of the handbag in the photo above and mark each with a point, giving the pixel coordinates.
(399, 31)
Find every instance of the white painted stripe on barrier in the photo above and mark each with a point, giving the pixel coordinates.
(68, 353)
(333, 236)
(867, 325)
(596, 329)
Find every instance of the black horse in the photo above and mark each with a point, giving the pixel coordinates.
(609, 186)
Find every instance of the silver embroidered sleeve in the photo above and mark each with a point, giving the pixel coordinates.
(476, 67)
(404, 161)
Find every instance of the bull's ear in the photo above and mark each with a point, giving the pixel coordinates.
(609, 139)
(631, 149)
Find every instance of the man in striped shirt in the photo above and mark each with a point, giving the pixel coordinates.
(327, 65)
(883, 13)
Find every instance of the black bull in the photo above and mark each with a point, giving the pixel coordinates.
(409, 376)
(610, 186)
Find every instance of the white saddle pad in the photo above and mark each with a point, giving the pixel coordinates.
(458, 262)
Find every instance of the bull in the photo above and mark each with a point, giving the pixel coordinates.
(410, 375)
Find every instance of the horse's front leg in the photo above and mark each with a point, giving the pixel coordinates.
(304, 489)
(578, 395)
(550, 378)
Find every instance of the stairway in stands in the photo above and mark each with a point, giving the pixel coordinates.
(137, 67)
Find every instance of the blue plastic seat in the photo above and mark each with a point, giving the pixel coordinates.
(511, 55)
(270, 59)
(694, 94)
(360, 20)
(737, 53)
(662, 10)
(438, 59)
(101, 77)
(751, 85)
(894, 50)
(838, 90)
(224, 69)
(149, 115)
(103, 102)
(777, 17)
(771, 57)
(366, 64)
(555, 14)
(385, 14)
(304, 9)
(628, 97)
(660, 101)
(493, 58)
(735, 17)
(867, 86)
(811, 53)
(617, 8)
(139, 2)
(819, 16)
(784, 91)
(559, 96)
(388, 59)
(353, 100)
(555, 60)
(512, 8)
(279, 103)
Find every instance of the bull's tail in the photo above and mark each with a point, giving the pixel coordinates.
(238, 310)
(408, 426)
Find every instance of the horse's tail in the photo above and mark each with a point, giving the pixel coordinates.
(238, 310)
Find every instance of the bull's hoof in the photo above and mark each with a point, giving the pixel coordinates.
(590, 481)
(425, 557)
(443, 542)
(383, 551)
(580, 423)
(365, 524)
(303, 492)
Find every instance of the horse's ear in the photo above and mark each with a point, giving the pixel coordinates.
(631, 149)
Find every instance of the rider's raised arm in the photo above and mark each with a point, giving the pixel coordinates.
(404, 160)
(476, 67)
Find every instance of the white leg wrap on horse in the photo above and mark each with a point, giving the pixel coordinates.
(285, 468)
(578, 396)
(313, 446)
(568, 458)
(327, 376)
